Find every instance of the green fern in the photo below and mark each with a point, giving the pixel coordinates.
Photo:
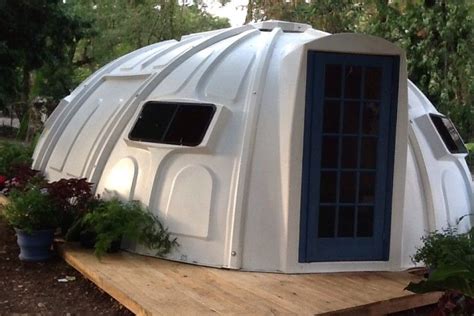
(113, 220)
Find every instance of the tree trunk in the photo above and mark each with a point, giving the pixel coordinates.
(249, 16)
(25, 87)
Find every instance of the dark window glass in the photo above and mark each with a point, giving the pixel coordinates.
(348, 187)
(373, 82)
(368, 153)
(332, 113)
(349, 152)
(332, 83)
(173, 123)
(153, 122)
(365, 221)
(351, 118)
(353, 80)
(345, 227)
(366, 187)
(330, 152)
(327, 219)
(370, 118)
(328, 188)
(449, 134)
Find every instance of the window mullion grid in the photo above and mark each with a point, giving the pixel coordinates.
(359, 149)
(339, 156)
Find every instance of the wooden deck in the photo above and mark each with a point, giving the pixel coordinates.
(150, 286)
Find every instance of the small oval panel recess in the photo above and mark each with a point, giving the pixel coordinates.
(456, 200)
(189, 206)
(121, 180)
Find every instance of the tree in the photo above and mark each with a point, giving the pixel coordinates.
(333, 16)
(124, 26)
(438, 36)
(33, 33)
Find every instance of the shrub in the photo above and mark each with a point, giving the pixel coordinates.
(31, 210)
(14, 154)
(72, 197)
(444, 248)
(450, 257)
(112, 220)
(23, 176)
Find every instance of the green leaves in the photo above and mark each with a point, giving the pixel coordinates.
(438, 39)
(14, 154)
(113, 220)
(31, 209)
(447, 278)
(445, 248)
(450, 257)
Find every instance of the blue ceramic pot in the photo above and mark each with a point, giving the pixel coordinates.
(35, 246)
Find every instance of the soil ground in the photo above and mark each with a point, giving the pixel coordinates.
(34, 288)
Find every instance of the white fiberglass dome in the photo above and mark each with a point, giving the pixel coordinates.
(268, 147)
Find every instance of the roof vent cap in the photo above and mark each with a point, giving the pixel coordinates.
(289, 27)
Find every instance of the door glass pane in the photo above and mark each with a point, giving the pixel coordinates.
(351, 117)
(332, 87)
(353, 76)
(330, 152)
(345, 227)
(327, 221)
(368, 152)
(348, 187)
(328, 187)
(349, 152)
(367, 187)
(370, 118)
(331, 117)
(373, 82)
(365, 221)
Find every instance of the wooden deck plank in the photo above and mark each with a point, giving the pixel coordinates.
(150, 286)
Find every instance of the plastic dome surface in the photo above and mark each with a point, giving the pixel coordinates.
(234, 200)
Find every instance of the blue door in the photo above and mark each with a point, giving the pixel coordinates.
(348, 157)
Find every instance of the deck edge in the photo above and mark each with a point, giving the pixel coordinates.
(113, 291)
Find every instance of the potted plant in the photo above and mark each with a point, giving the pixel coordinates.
(35, 218)
(73, 198)
(449, 257)
(110, 221)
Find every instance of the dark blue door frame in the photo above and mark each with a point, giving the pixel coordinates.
(348, 157)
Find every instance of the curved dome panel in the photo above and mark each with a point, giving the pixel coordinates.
(234, 199)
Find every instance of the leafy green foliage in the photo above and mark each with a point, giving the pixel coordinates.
(449, 277)
(73, 198)
(113, 220)
(33, 34)
(120, 27)
(437, 35)
(470, 156)
(31, 209)
(333, 16)
(450, 257)
(13, 154)
(445, 248)
(49, 47)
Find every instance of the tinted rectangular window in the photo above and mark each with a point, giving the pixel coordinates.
(449, 134)
(173, 123)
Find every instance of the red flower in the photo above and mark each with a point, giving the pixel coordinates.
(3, 179)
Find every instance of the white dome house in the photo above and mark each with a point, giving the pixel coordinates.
(268, 147)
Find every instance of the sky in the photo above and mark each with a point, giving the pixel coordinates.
(234, 10)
